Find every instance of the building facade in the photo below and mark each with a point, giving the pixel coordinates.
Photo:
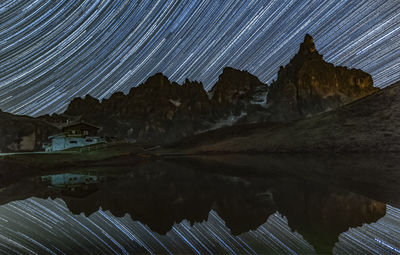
(74, 135)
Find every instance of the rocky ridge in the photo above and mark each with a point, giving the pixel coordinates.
(161, 110)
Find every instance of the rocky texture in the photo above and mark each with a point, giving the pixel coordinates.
(22, 133)
(161, 111)
(235, 89)
(240, 96)
(308, 85)
(150, 111)
(370, 124)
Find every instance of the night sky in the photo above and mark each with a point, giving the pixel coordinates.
(54, 51)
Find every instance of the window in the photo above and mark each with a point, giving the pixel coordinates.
(89, 140)
(73, 141)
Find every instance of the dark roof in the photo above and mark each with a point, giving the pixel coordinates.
(79, 123)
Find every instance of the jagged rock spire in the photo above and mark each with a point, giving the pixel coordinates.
(309, 85)
(308, 46)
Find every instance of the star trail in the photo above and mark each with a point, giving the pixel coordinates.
(45, 226)
(54, 51)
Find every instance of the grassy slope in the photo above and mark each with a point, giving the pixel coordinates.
(366, 125)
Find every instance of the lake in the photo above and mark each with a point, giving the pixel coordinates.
(216, 204)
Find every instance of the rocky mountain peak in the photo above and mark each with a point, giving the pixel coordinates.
(91, 99)
(234, 84)
(158, 80)
(77, 105)
(308, 46)
(308, 85)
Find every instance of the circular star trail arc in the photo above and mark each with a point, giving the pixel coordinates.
(54, 51)
(45, 226)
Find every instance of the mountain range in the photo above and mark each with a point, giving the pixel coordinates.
(160, 112)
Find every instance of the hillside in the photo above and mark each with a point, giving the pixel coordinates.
(23, 133)
(371, 124)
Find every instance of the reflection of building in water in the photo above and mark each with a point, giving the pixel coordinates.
(74, 135)
(69, 180)
(72, 184)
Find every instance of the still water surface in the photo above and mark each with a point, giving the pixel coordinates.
(226, 205)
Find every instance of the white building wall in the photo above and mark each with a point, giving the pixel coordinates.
(62, 143)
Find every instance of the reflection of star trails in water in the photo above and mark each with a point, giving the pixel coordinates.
(53, 51)
(47, 227)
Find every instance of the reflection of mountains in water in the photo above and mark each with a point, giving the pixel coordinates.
(47, 226)
(160, 194)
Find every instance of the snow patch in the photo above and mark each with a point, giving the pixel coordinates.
(210, 94)
(177, 103)
(228, 121)
(260, 98)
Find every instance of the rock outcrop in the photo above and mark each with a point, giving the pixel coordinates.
(155, 110)
(235, 87)
(162, 111)
(239, 96)
(310, 85)
(22, 133)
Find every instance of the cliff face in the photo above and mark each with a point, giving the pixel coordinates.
(234, 86)
(309, 85)
(164, 111)
(21, 133)
(239, 95)
(155, 110)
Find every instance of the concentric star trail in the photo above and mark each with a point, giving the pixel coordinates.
(45, 226)
(54, 51)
